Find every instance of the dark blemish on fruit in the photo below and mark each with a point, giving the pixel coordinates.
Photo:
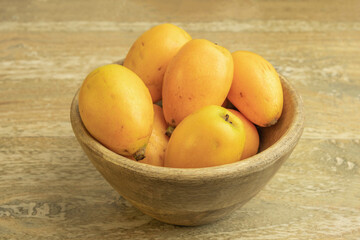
(127, 151)
(180, 96)
(241, 95)
(159, 69)
(190, 98)
(140, 154)
(173, 121)
(169, 131)
(227, 118)
(142, 43)
(122, 126)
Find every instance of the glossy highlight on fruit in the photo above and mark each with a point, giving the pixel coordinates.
(200, 74)
(211, 136)
(150, 54)
(116, 108)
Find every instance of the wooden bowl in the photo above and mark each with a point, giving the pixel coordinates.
(202, 195)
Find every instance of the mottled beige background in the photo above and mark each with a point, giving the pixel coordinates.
(48, 188)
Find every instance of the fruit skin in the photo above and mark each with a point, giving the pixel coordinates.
(205, 138)
(150, 54)
(200, 74)
(251, 146)
(116, 108)
(256, 89)
(156, 147)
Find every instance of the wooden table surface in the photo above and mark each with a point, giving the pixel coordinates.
(50, 190)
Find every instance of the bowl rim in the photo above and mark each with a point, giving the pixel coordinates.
(244, 167)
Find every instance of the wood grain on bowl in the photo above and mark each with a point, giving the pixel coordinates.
(200, 195)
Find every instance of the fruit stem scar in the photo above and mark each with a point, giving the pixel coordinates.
(227, 118)
(140, 154)
(169, 131)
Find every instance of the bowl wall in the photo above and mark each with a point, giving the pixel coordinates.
(203, 195)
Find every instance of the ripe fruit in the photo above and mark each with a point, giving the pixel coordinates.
(251, 146)
(116, 108)
(209, 137)
(256, 89)
(155, 150)
(151, 52)
(200, 74)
